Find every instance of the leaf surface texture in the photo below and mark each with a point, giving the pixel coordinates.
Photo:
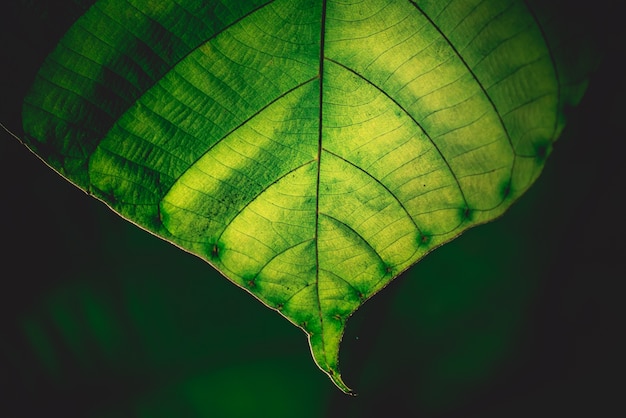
(311, 151)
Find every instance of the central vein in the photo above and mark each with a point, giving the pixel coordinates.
(319, 156)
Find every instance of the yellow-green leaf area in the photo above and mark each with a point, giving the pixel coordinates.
(311, 151)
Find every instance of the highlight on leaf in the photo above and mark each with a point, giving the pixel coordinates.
(310, 151)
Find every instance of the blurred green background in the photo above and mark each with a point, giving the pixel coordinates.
(516, 318)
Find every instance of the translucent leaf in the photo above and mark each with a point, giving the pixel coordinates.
(310, 151)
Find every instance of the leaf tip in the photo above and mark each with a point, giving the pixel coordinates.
(335, 376)
(324, 345)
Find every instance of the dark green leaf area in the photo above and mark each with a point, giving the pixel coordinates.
(109, 59)
(311, 151)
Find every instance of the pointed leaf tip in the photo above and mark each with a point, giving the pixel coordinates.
(336, 378)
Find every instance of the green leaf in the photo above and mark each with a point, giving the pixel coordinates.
(310, 151)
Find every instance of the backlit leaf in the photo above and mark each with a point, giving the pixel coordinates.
(311, 151)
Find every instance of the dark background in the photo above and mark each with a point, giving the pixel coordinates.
(519, 317)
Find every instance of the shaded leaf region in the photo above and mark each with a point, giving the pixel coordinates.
(310, 151)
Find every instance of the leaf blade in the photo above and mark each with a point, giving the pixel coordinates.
(309, 152)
